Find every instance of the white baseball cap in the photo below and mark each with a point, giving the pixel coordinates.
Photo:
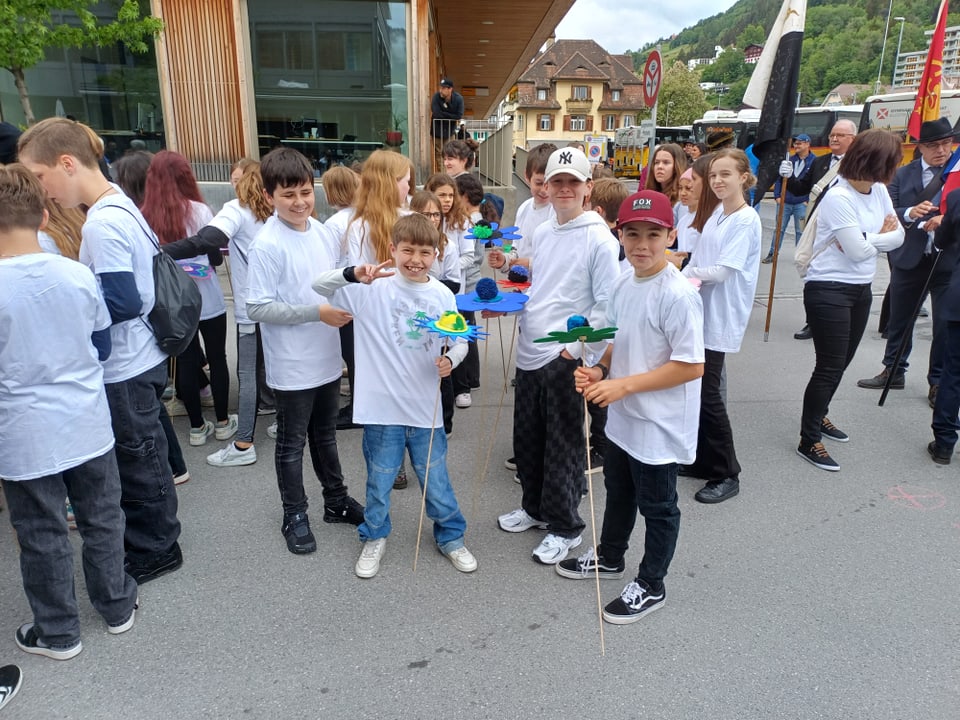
(568, 160)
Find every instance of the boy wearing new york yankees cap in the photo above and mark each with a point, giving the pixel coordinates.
(652, 392)
(575, 264)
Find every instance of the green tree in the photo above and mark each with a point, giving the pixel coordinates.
(728, 68)
(752, 35)
(27, 29)
(680, 97)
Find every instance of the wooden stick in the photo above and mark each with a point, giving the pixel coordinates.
(776, 256)
(593, 517)
(426, 473)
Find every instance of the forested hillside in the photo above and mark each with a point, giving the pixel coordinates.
(842, 42)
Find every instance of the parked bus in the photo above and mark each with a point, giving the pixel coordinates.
(892, 112)
(630, 149)
(818, 121)
(743, 125)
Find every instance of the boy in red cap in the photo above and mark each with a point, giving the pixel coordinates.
(652, 390)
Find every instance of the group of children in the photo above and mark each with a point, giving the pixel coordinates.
(301, 283)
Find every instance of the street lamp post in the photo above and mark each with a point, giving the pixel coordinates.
(669, 105)
(883, 48)
(893, 78)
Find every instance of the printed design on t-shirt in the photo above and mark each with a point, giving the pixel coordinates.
(195, 269)
(407, 324)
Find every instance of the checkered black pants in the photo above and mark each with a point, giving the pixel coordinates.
(549, 445)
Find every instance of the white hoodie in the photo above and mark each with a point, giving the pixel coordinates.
(574, 266)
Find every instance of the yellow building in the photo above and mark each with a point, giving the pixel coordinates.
(574, 88)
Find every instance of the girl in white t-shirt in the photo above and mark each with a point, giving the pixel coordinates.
(174, 208)
(726, 262)
(669, 163)
(855, 222)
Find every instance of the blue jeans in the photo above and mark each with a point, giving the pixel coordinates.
(149, 498)
(308, 417)
(383, 447)
(798, 212)
(46, 554)
(651, 490)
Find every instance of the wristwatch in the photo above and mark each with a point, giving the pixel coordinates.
(604, 371)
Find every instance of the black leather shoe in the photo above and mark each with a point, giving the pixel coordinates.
(932, 395)
(716, 491)
(938, 454)
(878, 382)
(804, 333)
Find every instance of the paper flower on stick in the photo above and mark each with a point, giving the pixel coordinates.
(451, 325)
(493, 234)
(578, 330)
(488, 297)
(517, 279)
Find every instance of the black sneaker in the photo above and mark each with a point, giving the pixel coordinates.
(829, 430)
(587, 566)
(596, 461)
(163, 564)
(10, 680)
(716, 491)
(347, 510)
(30, 642)
(818, 456)
(805, 333)
(938, 454)
(296, 531)
(400, 482)
(636, 600)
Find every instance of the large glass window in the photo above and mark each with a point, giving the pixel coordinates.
(330, 77)
(111, 89)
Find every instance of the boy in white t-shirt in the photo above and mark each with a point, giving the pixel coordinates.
(398, 416)
(54, 333)
(301, 345)
(653, 397)
(575, 258)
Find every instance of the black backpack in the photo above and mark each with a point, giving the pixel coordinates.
(176, 307)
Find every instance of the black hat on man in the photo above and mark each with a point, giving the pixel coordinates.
(446, 82)
(9, 134)
(934, 130)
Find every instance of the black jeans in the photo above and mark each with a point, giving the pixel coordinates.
(308, 417)
(947, 405)
(837, 313)
(190, 361)
(716, 455)
(466, 375)
(651, 490)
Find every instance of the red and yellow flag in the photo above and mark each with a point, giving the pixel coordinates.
(927, 105)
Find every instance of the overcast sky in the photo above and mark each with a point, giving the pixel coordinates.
(621, 25)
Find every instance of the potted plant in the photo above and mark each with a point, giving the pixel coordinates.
(395, 136)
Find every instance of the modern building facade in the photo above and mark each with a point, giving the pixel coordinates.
(909, 67)
(233, 78)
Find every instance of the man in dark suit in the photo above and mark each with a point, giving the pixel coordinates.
(946, 405)
(916, 198)
(841, 138)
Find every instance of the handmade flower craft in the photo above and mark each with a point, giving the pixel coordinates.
(517, 279)
(578, 330)
(488, 297)
(451, 325)
(493, 234)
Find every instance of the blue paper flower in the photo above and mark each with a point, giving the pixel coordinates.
(493, 234)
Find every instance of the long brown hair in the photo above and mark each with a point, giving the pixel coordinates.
(708, 199)
(671, 188)
(65, 227)
(250, 192)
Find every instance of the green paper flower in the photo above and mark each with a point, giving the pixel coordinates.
(584, 333)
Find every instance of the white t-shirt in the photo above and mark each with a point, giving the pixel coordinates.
(687, 235)
(448, 267)
(53, 407)
(203, 274)
(283, 263)
(529, 218)
(115, 239)
(338, 223)
(396, 374)
(47, 243)
(359, 246)
(240, 225)
(658, 319)
(844, 207)
(732, 241)
(575, 265)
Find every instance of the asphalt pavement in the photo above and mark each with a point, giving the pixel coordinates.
(810, 595)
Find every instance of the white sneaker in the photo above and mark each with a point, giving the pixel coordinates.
(272, 430)
(175, 408)
(462, 559)
(463, 400)
(225, 432)
(182, 478)
(232, 456)
(198, 436)
(518, 521)
(206, 397)
(368, 564)
(126, 624)
(554, 548)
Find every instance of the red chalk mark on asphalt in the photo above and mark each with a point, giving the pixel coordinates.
(915, 497)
